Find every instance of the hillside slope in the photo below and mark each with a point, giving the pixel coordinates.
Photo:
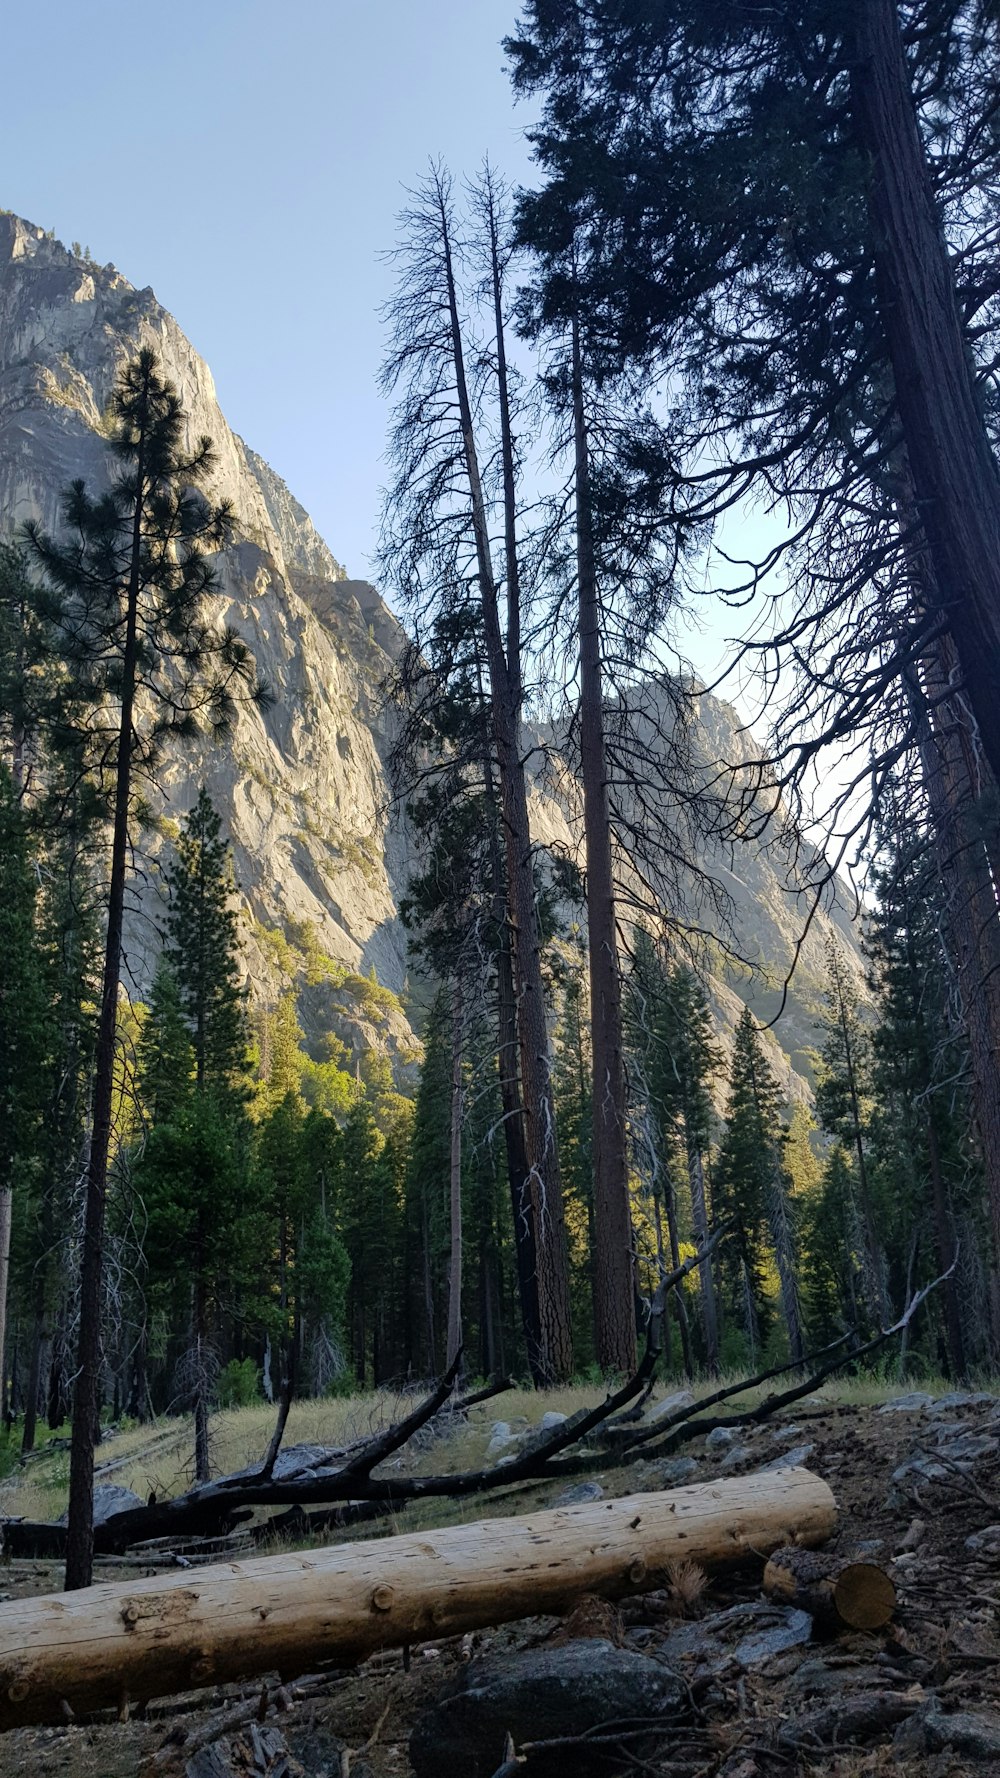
(303, 788)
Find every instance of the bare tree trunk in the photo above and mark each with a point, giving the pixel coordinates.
(40, 1341)
(6, 1223)
(454, 1345)
(670, 1205)
(555, 1323)
(945, 1236)
(614, 1266)
(86, 1404)
(699, 1214)
(525, 1245)
(954, 473)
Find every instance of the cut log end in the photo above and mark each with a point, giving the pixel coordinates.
(838, 1589)
(864, 1596)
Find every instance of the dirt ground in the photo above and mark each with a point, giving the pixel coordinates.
(943, 1643)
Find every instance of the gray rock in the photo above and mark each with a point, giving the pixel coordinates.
(109, 1499)
(853, 1717)
(719, 1438)
(916, 1402)
(677, 1470)
(792, 1459)
(736, 1457)
(972, 1734)
(744, 1636)
(500, 1437)
(535, 1696)
(579, 1494)
(551, 1420)
(781, 1434)
(968, 1448)
(671, 1404)
(920, 1468)
(961, 1398)
(985, 1542)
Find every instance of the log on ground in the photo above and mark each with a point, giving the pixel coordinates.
(839, 1589)
(136, 1640)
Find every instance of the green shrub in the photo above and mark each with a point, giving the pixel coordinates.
(239, 1384)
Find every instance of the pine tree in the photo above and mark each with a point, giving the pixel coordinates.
(840, 1105)
(202, 951)
(166, 1052)
(752, 1190)
(198, 992)
(133, 579)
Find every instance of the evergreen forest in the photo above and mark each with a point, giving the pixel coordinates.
(748, 311)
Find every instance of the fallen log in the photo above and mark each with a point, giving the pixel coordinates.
(113, 1644)
(841, 1591)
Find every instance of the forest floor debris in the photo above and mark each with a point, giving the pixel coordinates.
(923, 1694)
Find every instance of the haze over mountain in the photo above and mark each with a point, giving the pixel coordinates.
(302, 788)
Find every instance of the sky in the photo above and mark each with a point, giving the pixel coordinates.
(248, 158)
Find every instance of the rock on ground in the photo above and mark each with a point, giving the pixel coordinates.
(539, 1695)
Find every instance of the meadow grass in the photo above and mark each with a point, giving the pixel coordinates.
(158, 1457)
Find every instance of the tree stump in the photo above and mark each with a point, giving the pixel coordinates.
(840, 1590)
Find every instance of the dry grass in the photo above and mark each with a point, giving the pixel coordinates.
(158, 1457)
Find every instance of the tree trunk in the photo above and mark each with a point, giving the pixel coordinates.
(555, 1324)
(138, 1639)
(945, 1237)
(670, 1205)
(86, 1403)
(454, 1343)
(954, 473)
(706, 1282)
(6, 1221)
(40, 1341)
(525, 1246)
(614, 1266)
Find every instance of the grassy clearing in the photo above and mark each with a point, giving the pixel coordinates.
(158, 1457)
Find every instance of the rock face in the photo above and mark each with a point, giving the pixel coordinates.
(302, 789)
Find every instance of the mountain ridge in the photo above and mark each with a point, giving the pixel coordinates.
(303, 788)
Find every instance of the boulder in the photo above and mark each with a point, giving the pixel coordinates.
(793, 1459)
(109, 1499)
(671, 1404)
(677, 1470)
(972, 1734)
(579, 1494)
(720, 1438)
(538, 1695)
(985, 1542)
(916, 1402)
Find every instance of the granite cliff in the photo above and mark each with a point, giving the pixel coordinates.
(303, 788)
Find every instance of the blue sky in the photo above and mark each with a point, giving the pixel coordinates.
(247, 159)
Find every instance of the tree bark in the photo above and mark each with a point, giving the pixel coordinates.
(613, 1260)
(6, 1223)
(555, 1323)
(454, 1345)
(840, 1590)
(954, 472)
(86, 1402)
(147, 1637)
(706, 1282)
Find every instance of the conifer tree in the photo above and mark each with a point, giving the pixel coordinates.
(845, 1060)
(132, 579)
(194, 1063)
(752, 1190)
